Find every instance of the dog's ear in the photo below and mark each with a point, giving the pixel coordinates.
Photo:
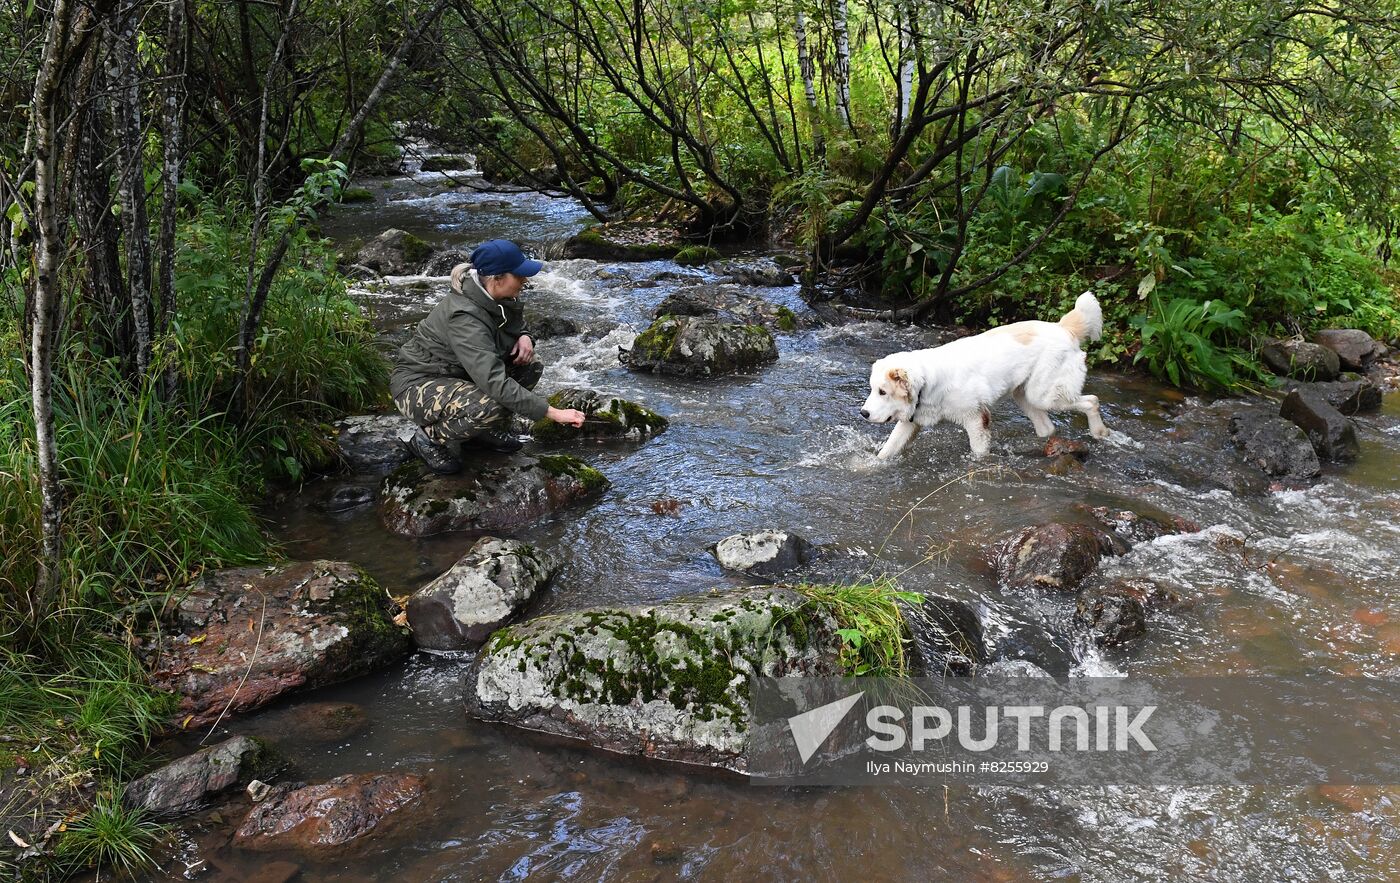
(900, 378)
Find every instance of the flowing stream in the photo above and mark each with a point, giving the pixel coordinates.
(1282, 581)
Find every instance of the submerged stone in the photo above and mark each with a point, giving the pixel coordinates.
(316, 818)
(493, 492)
(667, 680)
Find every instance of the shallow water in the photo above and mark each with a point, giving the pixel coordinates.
(1275, 581)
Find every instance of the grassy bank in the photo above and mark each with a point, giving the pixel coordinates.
(157, 489)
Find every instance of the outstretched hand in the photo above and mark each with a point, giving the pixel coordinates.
(567, 416)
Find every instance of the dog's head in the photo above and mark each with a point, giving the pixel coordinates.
(892, 392)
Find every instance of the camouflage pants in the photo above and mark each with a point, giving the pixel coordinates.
(450, 409)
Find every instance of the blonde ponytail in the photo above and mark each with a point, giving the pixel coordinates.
(459, 272)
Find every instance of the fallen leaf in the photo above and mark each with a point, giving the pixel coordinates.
(19, 841)
(198, 640)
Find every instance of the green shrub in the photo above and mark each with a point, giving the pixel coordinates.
(110, 837)
(1186, 342)
(869, 623)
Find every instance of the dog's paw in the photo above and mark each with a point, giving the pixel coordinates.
(1100, 432)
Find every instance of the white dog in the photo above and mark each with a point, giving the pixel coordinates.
(1039, 363)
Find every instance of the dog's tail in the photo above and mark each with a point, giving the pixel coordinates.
(1085, 321)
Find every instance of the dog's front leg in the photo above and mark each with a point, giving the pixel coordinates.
(979, 434)
(904, 432)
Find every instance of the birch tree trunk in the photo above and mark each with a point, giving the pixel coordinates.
(841, 71)
(45, 304)
(172, 118)
(905, 86)
(808, 73)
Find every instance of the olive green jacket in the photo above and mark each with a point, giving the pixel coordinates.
(469, 336)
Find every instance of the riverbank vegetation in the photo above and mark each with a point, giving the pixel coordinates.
(174, 335)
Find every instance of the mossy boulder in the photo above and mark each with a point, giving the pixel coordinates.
(492, 492)
(354, 195)
(245, 636)
(448, 162)
(608, 418)
(625, 241)
(695, 255)
(732, 303)
(394, 253)
(699, 346)
(667, 680)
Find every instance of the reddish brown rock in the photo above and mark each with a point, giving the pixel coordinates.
(1058, 446)
(1054, 556)
(329, 815)
(245, 636)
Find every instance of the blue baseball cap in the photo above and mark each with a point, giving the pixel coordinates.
(503, 256)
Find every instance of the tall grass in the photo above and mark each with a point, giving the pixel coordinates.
(870, 624)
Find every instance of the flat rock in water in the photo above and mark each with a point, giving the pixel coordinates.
(733, 304)
(1333, 436)
(1354, 348)
(764, 553)
(245, 636)
(625, 241)
(757, 272)
(492, 492)
(667, 680)
(1135, 527)
(1056, 556)
(607, 418)
(374, 442)
(185, 785)
(1275, 445)
(479, 594)
(334, 814)
(690, 346)
(1300, 360)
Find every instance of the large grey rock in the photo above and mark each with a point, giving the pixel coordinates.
(394, 253)
(245, 636)
(187, 784)
(764, 553)
(492, 492)
(1349, 396)
(758, 272)
(329, 816)
(666, 680)
(1056, 556)
(606, 418)
(700, 347)
(1275, 445)
(442, 262)
(374, 442)
(1301, 360)
(731, 303)
(1333, 436)
(479, 594)
(1354, 348)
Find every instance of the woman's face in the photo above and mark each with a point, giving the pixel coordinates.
(506, 286)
